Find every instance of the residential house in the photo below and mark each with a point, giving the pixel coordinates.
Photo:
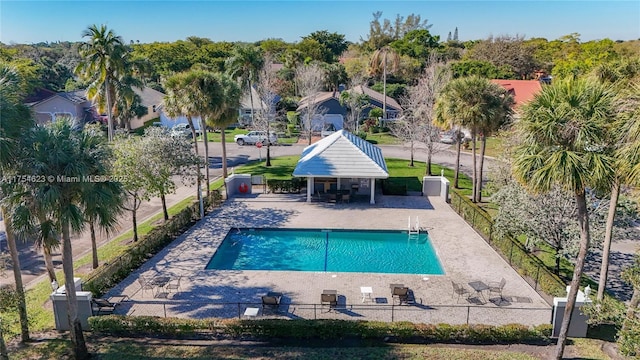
(334, 112)
(47, 106)
(250, 104)
(152, 100)
(522, 91)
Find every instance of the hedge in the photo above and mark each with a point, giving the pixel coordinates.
(284, 186)
(513, 251)
(318, 329)
(115, 270)
(390, 188)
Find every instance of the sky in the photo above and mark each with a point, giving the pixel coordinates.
(27, 21)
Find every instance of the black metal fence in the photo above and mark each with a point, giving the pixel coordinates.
(488, 314)
(530, 268)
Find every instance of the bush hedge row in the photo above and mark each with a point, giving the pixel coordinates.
(115, 270)
(390, 188)
(318, 329)
(513, 251)
(284, 186)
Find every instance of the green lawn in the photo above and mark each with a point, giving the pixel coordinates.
(129, 349)
(383, 139)
(494, 147)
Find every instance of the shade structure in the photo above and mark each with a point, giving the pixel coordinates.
(342, 155)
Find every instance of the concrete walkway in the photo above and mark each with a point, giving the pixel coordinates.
(221, 293)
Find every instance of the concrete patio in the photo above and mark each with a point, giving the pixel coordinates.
(226, 294)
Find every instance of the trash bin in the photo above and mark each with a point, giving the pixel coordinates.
(60, 310)
(578, 326)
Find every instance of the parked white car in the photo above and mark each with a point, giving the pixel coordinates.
(253, 137)
(183, 130)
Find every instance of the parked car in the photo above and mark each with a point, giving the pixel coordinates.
(253, 137)
(183, 130)
(451, 137)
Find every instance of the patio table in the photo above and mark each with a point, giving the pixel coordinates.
(479, 287)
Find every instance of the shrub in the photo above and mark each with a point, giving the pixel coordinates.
(320, 329)
(284, 186)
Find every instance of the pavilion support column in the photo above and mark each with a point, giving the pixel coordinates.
(373, 191)
(309, 188)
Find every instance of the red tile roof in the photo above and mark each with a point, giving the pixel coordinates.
(522, 90)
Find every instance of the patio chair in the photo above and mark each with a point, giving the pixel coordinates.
(329, 297)
(271, 301)
(460, 290)
(103, 306)
(173, 284)
(400, 293)
(497, 287)
(345, 197)
(145, 284)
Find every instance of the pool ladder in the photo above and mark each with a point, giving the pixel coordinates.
(414, 230)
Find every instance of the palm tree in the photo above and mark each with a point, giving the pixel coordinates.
(621, 75)
(244, 64)
(70, 157)
(227, 113)
(15, 125)
(563, 130)
(102, 205)
(182, 100)
(102, 55)
(378, 64)
(477, 104)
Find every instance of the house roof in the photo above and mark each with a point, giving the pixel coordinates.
(41, 95)
(319, 98)
(149, 96)
(523, 90)
(361, 89)
(38, 95)
(344, 155)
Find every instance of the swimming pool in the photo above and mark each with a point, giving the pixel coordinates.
(371, 251)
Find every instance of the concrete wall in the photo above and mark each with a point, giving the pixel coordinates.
(435, 186)
(236, 183)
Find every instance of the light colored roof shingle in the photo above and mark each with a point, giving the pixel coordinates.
(343, 155)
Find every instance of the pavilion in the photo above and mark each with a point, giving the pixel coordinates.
(341, 161)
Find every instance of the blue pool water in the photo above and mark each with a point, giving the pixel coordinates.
(374, 251)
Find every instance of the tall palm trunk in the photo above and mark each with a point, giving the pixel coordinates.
(483, 146)
(17, 275)
(163, 199)
(457, 173)
(606, 246)
(47, 247)
(77, 337)
(48, 262)
(109, 114)
(199, 183)
(475, 170)
(583, 222)
(206, 153)
(225, 171)
(94, 245)
(384, 86)
(250, 96)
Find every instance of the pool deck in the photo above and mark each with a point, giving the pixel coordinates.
(464, 255)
